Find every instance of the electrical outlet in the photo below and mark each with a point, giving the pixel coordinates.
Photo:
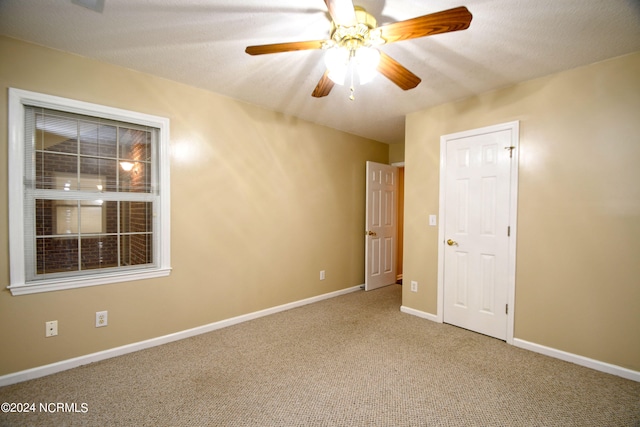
(51, 328)
(414, 286)
(101, 319)
(322, 275)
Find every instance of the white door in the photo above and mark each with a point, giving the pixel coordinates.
(381, 225)
(477, 234)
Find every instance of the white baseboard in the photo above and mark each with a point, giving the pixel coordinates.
(552, 352)
(579, 360)
(64, 365)
(419, 313)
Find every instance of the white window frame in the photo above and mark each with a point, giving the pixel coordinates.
(18, 99)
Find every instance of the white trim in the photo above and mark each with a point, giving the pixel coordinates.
(16, 164)
(418, 313)
(398, 164)
(64, 365)
(17, 100)
(441, 222)
(579, 360)
(76, 282)
(548, 351)
(514, 127)
(513, 222)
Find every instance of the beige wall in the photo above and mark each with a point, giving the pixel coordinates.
(260, 203)
(578, 241)
(396, 153)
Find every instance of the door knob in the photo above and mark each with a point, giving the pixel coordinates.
(370, 233)
(452, 242)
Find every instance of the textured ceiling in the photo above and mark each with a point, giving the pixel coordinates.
(201, 43)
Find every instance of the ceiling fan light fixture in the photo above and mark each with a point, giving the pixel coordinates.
(337, 61)
(351, 50)
(126, 166)
(338, 75)
(367, 60)
(364, 60)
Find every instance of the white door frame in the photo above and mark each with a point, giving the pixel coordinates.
(514, 127)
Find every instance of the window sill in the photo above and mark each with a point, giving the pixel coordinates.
(82, 282)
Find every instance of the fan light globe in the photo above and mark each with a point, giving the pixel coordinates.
(337, 61)
(364, 59)
(367, 60)
(126, 166)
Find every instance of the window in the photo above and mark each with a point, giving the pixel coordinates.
(88, 194)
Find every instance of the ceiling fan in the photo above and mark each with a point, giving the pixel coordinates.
(354, 37)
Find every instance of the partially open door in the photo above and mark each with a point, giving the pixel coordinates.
(381, 225)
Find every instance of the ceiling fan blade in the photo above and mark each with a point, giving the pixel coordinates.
(446, 21)
(284, 47)
(324, 86)
(342, 12)
(397, 73)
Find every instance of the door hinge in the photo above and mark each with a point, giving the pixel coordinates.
(509, 231)
(506, 309)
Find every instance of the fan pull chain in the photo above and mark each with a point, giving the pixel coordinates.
(352, 89)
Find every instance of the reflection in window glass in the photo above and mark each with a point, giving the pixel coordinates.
(55, 255)
(56, 133)
(76, 229)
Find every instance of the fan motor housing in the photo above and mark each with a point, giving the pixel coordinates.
(358, 35)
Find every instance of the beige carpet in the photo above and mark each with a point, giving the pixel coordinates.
(354, 360)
